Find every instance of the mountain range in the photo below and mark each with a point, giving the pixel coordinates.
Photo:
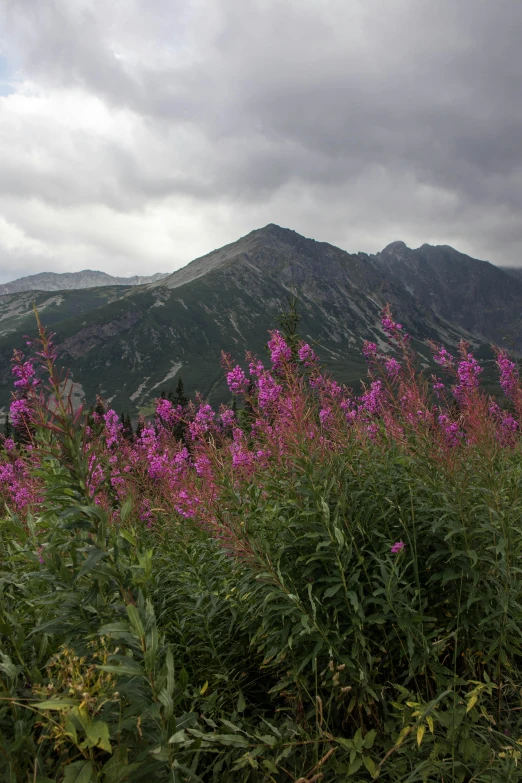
(129, 342)
(65, 281)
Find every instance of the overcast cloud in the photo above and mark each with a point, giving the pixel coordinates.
(139, 134)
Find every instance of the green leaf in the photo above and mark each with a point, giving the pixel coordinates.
(135, 620)
(233, 740)
(339, 536)
(241, 704)
(78, 772)
(97, 735)
(131, 669)
(93, 558)
(178, 737)
(370, 739)
(56, 704)
(370, 765)
(332, 590)
(124, 513)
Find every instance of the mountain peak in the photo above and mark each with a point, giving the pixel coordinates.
(395, 247)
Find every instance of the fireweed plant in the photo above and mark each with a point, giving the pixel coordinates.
(317, 586)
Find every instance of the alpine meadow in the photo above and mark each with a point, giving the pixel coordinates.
(305, 585)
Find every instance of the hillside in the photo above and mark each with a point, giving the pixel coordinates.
(476, 295)
(128, 343)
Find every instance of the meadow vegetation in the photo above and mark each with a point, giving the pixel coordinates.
(310, 585)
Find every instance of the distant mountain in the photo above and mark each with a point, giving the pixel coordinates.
(130, 343)
(72, 281)
(476, 295)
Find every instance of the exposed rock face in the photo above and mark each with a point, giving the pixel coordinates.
(69, 391)
(91, 336)
(125, 342)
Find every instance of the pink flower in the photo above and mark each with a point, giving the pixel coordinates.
(372, 400)
(279, 350)
(237, 380)
(392, 367)
(202, 421)
(468, 373)
(256, 368)
(227, 417)
(20, 412)
(167, 413)
(443, 357)
(450, 429)
(324, 415)
(113, 427)
(397, 547)
(438, 387)
(369, 351)
(509, 379)
(392, 329)
(307, 355)
(25, 374)
(268, 390)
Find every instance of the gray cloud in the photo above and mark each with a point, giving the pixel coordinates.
(184, 124)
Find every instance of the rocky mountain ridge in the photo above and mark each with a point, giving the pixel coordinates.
(128, 343)
(73, 281)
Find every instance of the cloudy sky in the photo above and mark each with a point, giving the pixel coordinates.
(136, 135)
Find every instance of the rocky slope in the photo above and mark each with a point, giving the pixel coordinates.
(68, 281)
(128, 343)
(476, 295)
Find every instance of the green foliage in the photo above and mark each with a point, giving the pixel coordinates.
(354, 616)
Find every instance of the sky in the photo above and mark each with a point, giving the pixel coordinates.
(137, 135)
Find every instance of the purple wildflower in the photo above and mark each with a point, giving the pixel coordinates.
(397, 547)
(167, 413)
(113, 426)
(279, 350)
(391, 328)
(20, 412)
(443, 357)
(369, 351)
(269, 390)
(392, 367)
(227, 417)
(237, 380)
(371, 401)
(468, 372)
(307, 355)
(509, 379)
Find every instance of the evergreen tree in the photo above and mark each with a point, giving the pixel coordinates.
(127, 430)
(178, 397)
(99, 408)
(246, 414)
(288, 321)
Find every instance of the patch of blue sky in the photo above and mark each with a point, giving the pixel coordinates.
(6, 77)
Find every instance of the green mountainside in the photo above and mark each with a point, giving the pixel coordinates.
(130, 343)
